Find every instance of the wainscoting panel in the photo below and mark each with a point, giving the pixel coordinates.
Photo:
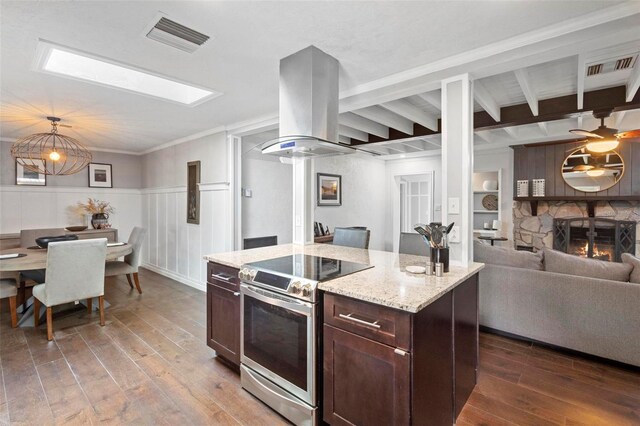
(176, 248)
(23, 207)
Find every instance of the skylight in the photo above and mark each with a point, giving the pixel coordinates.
(81, 66)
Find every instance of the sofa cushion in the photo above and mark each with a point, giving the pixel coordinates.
(630, 259)
(505, 256)
(563, 263)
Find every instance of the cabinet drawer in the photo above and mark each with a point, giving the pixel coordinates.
(378, 323)
(224, 276)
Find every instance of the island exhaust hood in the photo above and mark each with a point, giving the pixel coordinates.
(308, 107)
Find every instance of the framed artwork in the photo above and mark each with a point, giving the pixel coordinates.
(329, 192)
(100, 175)
(193, 192)
(25, 176)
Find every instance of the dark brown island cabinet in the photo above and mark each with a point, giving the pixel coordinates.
(223, 311)
(384, 366)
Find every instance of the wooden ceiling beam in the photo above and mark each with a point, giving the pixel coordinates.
(485, 100)
(363, 124)
(387, 118)
(527, 89)
(560, 108)
(633, 84)
(432, 98)
(405, 109)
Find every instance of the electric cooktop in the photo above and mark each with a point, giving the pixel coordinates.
(314, 268)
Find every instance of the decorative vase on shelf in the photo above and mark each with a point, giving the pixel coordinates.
(490, 185)
(99, 220)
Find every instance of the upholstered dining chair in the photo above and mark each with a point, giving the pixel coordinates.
(9, 289)
(413, 243)
(350, 237)
(131, 261)
(28, 239)
(75, 271)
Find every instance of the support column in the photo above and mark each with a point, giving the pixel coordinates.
(302, 201)
(234, 166)
(457, 164)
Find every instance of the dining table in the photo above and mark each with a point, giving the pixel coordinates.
(32, 258)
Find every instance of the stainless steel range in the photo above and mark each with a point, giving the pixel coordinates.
(279, 331)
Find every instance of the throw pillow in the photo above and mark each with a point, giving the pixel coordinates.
(630, 259)
(504, 256)
(563, 263)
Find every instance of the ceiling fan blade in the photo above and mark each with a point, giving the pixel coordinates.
(628, 134)
(585, 133)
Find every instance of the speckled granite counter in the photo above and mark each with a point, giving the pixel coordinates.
(387, 283)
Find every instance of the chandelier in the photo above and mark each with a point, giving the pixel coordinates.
(51, 153)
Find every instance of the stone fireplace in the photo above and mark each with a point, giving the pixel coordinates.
(537, 232)
(597, 238)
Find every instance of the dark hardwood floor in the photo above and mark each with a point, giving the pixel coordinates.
(150, 365)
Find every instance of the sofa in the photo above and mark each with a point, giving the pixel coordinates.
(581, 304)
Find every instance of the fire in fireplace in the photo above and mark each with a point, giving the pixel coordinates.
(598, 238)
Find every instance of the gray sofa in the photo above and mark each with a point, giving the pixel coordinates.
(584, 313)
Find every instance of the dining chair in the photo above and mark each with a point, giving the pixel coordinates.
(28, 239)
(129, 266)
(75, 271)
(9, 289)
(350, 237)
(413, 243)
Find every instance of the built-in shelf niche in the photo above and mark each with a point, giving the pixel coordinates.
(480, 214)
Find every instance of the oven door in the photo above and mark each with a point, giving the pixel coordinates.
(278, 340)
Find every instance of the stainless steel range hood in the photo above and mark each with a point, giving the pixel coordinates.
(308, 107)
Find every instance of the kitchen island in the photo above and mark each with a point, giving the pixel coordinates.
(395, 347)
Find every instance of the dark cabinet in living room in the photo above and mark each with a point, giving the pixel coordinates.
(223, 311)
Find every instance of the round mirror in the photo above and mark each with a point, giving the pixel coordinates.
(592, 171)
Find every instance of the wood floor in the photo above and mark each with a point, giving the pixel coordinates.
(150, 365)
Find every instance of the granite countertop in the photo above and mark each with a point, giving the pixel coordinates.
(387, 283)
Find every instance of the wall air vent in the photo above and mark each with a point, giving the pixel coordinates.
(611, 65)
(177, 35)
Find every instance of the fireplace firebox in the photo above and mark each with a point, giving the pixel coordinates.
(594, 237)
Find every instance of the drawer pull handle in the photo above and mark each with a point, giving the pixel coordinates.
(359, 321)
(236, 293)
(223, 277)
(399, 351)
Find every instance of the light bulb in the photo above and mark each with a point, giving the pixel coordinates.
(595, 172)
(54, 156)
(602, 146)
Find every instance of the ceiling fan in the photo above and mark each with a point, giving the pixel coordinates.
(604, 138)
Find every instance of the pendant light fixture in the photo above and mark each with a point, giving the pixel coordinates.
(51, 153)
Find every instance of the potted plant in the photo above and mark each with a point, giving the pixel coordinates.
(99, 210)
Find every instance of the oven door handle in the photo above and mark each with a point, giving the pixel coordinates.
(262, 295)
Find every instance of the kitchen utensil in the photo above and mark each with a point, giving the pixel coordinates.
(449, 228)
(436, 236)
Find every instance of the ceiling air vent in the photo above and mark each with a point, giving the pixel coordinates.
(611, 65)
(177, 35)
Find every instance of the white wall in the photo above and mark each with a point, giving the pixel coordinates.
(53, 205)
(269, 210)
(363, 195)
(495, 159)
(410, 166)
(174, 247)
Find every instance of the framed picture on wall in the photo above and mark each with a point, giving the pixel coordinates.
(25, 176)
(100, 175)
(329, 191)
(193, 192)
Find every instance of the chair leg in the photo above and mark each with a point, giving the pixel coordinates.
(22, 292)
(101, 304)
(129, 279)
(137, 280)
(49, 324)
(12, 309)
(36, 312)
(89, 305)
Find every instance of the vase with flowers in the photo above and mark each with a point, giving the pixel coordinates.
(100, 211)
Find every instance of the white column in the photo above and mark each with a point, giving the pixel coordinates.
(234, 173)
(457, 164)
(302, 201)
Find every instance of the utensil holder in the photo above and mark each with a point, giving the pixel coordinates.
(440, 255)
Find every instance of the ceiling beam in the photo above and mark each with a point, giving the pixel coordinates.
(486, 101)
(413, 113)
(386, 117)
(419, 144)
(344, 139)
(553, 109)
(634, 81)
(618, 117)
(433, 98)
(481, 137)
(581, 76)
(352, 133)
(360, 123)
(511, 131)
(543, 128)
(525, 84)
